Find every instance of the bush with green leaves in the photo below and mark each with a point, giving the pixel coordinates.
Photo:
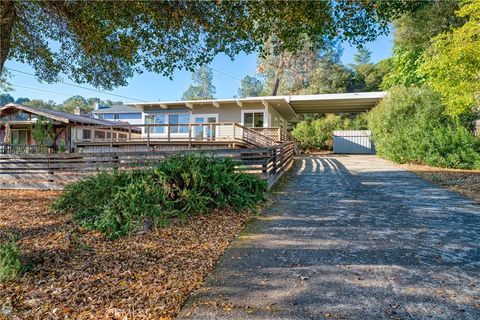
(10, 266)
(117, 203)
(317, 134)
(410, 125)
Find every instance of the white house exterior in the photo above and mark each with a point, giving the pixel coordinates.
(119, 113)
(172, 118)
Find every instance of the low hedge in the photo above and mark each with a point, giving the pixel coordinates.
(119, 202)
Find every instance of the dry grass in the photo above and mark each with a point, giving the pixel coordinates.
(78, 274)
(466, 182)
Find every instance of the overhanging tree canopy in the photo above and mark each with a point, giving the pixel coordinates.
(104, 43)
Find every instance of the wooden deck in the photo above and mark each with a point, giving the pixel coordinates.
(228, 135)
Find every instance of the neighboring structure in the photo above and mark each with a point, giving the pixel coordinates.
(353, 142)
(67, 129)
(120, 113)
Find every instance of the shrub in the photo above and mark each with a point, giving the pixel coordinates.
(10, 266)
(118, 202)
(318, 134)
(410, 126)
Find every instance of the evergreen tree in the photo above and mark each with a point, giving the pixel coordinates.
(250, 87)
(202, 87)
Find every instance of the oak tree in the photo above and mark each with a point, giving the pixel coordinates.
(104, 43)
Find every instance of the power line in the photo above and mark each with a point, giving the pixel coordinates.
(79, 86)
(36, 89)
(226, 74)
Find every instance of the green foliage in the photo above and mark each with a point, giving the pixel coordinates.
(413, 34)
(42, 131)
(10, 266)
(39, 103)
(250, 87)
(73, 103)
(118, 202)
(6, 98)
(367, 76)
(452, 63)
(105, 43)
(404, 68)
(317, 134)
(202, 87)
(410, 126)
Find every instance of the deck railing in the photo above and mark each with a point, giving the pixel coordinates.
(276, 134)
(23, 148)
(189, 133)
(53, 171)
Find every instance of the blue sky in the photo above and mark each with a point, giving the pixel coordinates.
(153, 87)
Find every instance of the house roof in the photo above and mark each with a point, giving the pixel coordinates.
(55, 115)
(288, 106)
(117, 109)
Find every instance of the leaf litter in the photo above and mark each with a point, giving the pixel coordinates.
(77, 273)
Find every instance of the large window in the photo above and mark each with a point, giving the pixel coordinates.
(177, 123)
(156, 119)
(253, 119)
(19, 136)
(183, 118)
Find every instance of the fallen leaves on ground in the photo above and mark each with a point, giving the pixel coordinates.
(466, 182)
(78, 274)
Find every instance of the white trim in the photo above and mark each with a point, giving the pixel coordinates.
(265, 116)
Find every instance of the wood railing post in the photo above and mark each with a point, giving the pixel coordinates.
(148, 135)
(111, 136)
(168, 132)
(190, 135)
(129, 132)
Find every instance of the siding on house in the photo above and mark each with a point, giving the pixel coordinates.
(226, 114)
(132, 118)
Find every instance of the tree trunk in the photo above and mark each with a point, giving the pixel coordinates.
(7, 18)
(278, 75)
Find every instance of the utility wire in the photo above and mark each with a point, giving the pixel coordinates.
(79, 86)
(226, 74)
(36, 89)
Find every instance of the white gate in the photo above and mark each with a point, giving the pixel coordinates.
(353, 142)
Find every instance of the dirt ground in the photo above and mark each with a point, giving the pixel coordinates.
(77, 274)
(466, 182)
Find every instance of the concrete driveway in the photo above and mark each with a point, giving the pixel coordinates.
(351, 237)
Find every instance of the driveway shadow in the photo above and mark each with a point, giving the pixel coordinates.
(351, 237)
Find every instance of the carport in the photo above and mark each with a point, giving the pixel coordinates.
(344, 141)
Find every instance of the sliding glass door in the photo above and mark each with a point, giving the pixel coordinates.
(204, 131)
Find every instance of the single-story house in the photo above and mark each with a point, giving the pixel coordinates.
(17, 121)
(122, 113)
(171, 118)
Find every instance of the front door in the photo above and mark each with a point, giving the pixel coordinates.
(204, 131)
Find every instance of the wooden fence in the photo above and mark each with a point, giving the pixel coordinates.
(53, 171)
